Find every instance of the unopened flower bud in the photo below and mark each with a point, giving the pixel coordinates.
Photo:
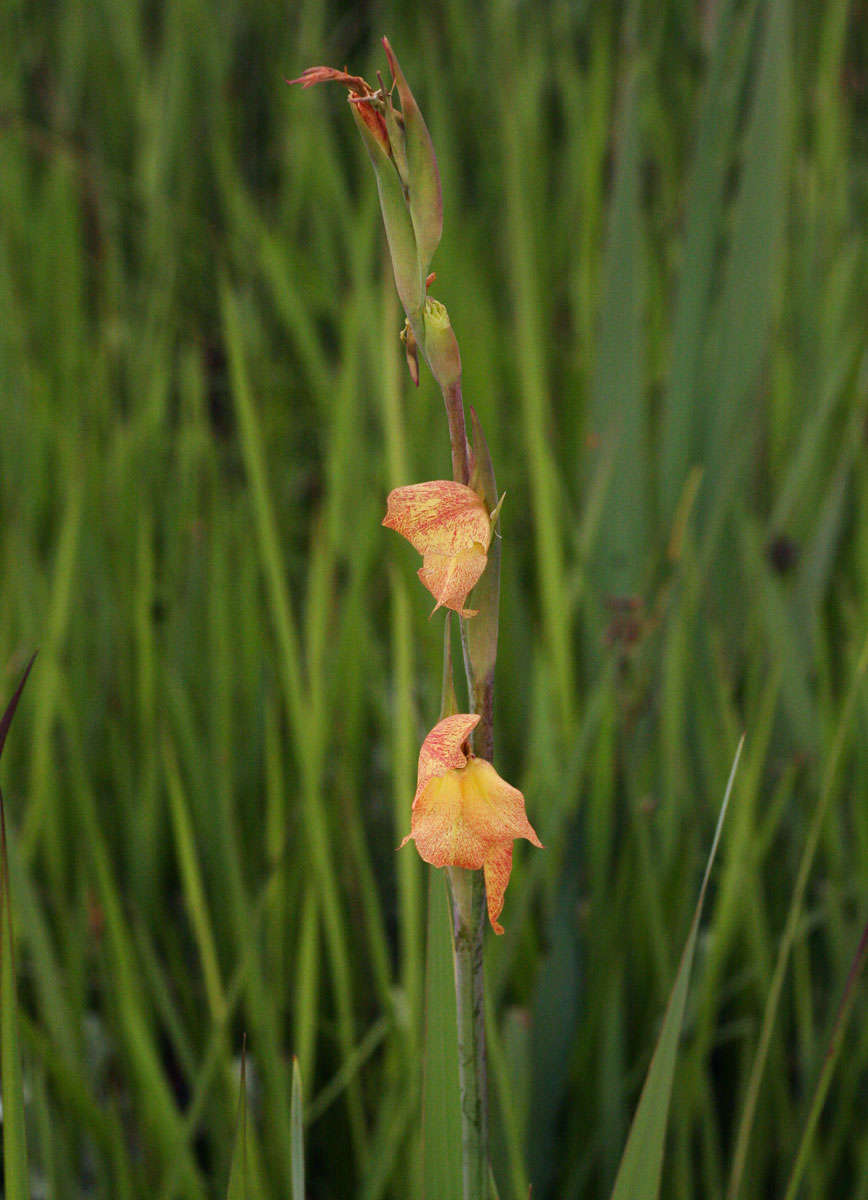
(441, 345)
(423, 174)
(408, 179)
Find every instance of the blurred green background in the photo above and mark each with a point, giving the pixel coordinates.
(654, 258)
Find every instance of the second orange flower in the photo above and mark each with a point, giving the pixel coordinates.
(450, 526)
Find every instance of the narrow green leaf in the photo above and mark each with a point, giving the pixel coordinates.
(640, 1170)
(714, 144)
(6, 719)
(238, 1174)
(618, 410)
(15, 1168)
(751, 275)
(297, 1133)
(830, 1061)
(441, 1102)
(794, 915)
(480, 632)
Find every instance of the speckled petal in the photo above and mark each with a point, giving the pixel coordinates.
(441, 751)
(469, 817)
(443, 835)
(440, 516)
(497, 869)
(451, 577)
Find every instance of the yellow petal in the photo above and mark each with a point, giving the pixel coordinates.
(468, 817)
(440, 516)
(497, 869)
(494, 807)
(441, 751)
(450, 526)
(451, 577)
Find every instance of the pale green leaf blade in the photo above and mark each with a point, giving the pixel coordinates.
(238, 1173)
(296, 1119)
(641, 1165)
(15, 1168)
(441, 1101)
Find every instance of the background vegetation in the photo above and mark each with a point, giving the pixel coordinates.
(654, 257)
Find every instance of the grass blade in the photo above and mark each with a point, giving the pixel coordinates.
(238, 1174)
(793, 917)
(830, 1060)
(618, 410)
(639, 1173)
(297, 1133)
(441, 1100)
(15, 1168)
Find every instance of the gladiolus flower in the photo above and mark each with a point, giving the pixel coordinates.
(464, 814)
(450, 526)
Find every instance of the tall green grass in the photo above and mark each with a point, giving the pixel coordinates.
(654, 257)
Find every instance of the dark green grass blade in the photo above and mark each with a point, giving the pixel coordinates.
(752, 269)
(296, 1119)
(785, 945)
(441, 1101)
(6, 719)
(618, 411)
(237, 1189)
(830, 1061)
(714, 145)
(640, 1171)
(15, 1167)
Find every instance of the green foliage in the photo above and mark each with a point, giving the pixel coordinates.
(653, 256)
(441, 1098)
(16, 1173)
(640, 1172)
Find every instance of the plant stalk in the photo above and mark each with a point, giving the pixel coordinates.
(467, 890)
(457, 433)
(468, 927)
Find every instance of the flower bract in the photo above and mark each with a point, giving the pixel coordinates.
(450, 526)
(464, 814)
(408, 179)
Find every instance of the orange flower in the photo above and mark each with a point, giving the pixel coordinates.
(450, 526)
(464, 814)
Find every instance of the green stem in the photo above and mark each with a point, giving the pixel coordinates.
(468, 926)
(454, 402)
(467, 889)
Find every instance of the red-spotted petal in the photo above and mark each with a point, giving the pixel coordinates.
(469, 817)
(441, 751)
(497, 869)
(450, 526)
(451, 577)
(440, 516)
